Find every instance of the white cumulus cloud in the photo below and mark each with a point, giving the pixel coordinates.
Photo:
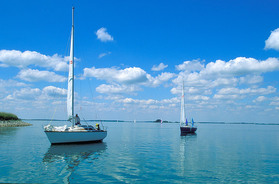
(132, 75)
(236, 93)
(191, 66)
(158, 80)
(23, 59)
(103, 35)
(104, 54)
(228, 97)
(116, 89)
(36, 75)
(240, 70)
(223, 82)
(275, 101)
(25, 94)
(260, 99)
(124, 77)
(241, 66)
(55, 92)
(160, 67)
(11, 83)
(248, 79)
(273, 40)
(268, 90)
(191, 79)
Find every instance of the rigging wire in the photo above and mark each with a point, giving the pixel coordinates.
(65, 74)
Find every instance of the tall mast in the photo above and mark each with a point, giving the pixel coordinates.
(182, 112)
(70, 96)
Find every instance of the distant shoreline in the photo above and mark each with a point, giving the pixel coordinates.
(165, 122)
(13, 123)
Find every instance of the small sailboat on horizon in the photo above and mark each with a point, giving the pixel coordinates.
(76, 133)
(184, 124)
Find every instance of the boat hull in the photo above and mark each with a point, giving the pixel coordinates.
(188, 129)
(55, 137)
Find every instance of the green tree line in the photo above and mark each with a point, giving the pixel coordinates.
(8, 116)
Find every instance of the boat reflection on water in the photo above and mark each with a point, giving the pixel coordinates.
(71, 155)
(188, 142)
(57, 152)
(188, 134)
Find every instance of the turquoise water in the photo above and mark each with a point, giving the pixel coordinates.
(144, 153)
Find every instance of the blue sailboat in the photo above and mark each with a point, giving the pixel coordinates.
(184, 125)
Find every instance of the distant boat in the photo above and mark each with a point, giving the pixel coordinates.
(184, 124)
(76, 133)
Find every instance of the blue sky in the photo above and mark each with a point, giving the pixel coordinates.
(132, 56)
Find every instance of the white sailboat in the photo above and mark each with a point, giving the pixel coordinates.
(74, 133)
(184, 125)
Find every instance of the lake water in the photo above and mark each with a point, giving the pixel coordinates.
(144, 153)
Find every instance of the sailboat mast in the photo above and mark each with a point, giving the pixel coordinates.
(182, 112)
(70, 96)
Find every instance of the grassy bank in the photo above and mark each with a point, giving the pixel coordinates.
(7, 116)
(11, 120)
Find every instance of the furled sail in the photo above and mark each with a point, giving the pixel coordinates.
(70, 96)
(182, 112)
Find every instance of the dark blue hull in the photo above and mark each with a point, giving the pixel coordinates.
(188, 129)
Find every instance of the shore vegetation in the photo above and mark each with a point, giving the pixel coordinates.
(8, 116)
(11, 120)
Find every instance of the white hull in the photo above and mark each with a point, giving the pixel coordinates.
(75, 137)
